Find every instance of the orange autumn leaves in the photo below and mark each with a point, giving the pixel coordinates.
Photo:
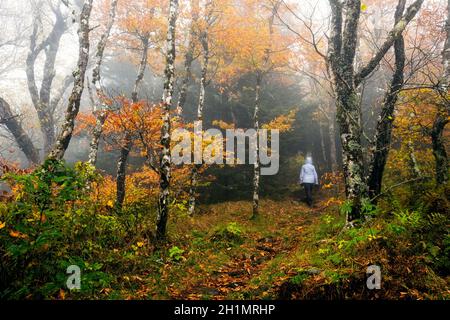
(142, 122)
(246, 42)
(411, 130)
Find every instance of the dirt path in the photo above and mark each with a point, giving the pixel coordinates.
(235, 277)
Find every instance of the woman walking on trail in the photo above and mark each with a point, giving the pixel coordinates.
(308, 178)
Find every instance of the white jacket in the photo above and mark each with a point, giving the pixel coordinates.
(308, 173)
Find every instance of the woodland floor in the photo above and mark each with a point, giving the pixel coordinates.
(290, 251)
(242, 270)
(228, 256)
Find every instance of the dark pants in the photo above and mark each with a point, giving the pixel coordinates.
(308, 192)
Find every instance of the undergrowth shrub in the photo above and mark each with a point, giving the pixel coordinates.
(408, 237)
(228, 234)
(50, 222)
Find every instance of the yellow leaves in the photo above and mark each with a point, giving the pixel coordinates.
(2, 225)
(282, 123)
(106, 291)
(140, 244)
(17, 234)
(62, 294)
(223, 125)
(245, 43)
(110, 204)
(363, 7)
(374, 237)
(333, 201)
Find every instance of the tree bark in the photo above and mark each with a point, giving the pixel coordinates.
(443, 112)
(333, 149)
(65, 136)
(121, 173)
(41, 97)
(24, 142)
(382, 141)
(128, 142)
(256, 165)
(100, 109)
(341, 56)
(200, 106)
(259, 79)
(438, 142)
(165, 158)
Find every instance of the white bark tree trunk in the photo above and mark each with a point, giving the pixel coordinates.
(100, 108)
(165, 158)
(200, 106)
(65, 136)
(256, 165)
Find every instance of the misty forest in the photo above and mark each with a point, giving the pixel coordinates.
(347, 102)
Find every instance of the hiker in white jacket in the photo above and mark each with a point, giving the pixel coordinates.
(308, 178)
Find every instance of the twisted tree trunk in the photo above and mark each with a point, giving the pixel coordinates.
(165, 158)
(341, 56)
(65, 136)
(100, 108)
(41, 97)
(382, 141)
(24, 142)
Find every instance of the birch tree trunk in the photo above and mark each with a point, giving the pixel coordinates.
(256, 165)
(128, 143)
(165, 158)
(65, 136)
(382, 141)
(341, 56)
(24, 142)
(100, 108)
(200, 106)
(443, 112)
(259, 79)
